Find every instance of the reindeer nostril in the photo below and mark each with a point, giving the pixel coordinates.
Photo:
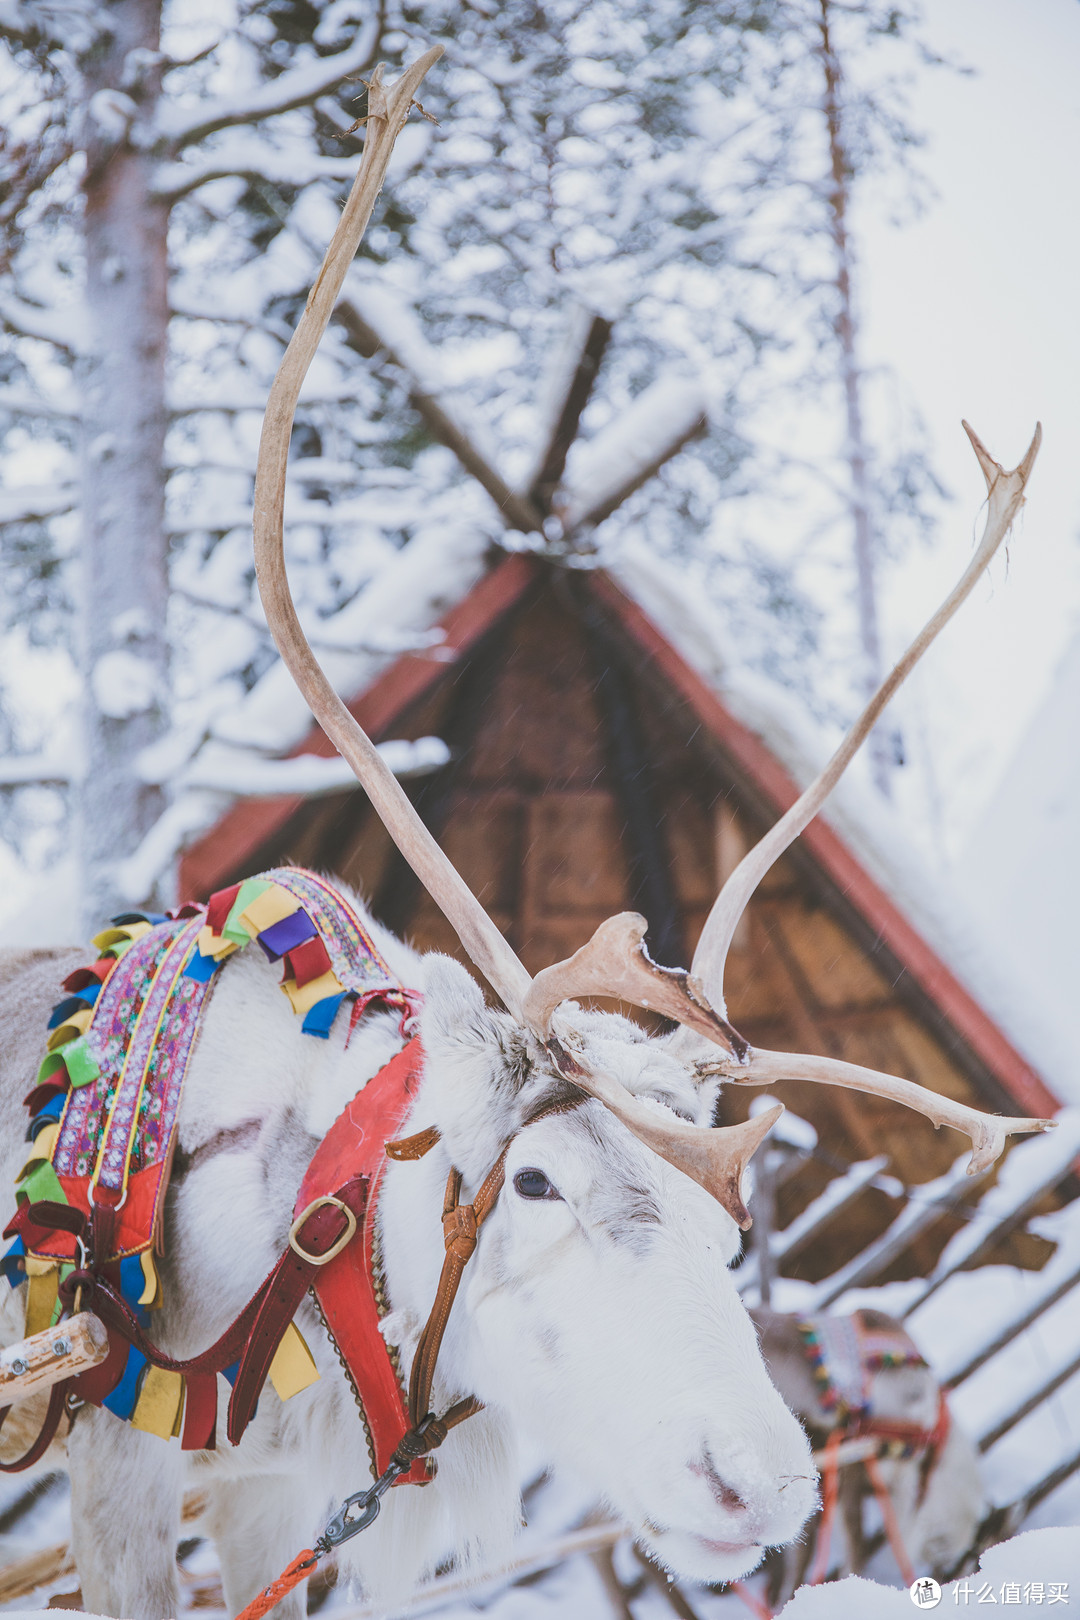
(725, 1495)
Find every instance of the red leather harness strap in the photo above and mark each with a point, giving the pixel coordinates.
(337, 1200)
(348, 1289)
(255, 1334)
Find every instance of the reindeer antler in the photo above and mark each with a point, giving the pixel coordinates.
(714, 1158)
(387, 112)
(988, 1132)
(614, 962)
(1005, 496)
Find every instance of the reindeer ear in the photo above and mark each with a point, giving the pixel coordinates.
(476, 1063)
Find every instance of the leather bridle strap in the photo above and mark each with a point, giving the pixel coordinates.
(47, 1434)
(461, 1224)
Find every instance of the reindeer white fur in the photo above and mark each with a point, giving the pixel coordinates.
(603, 1322)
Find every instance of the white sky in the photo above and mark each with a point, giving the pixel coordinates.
(976, 307)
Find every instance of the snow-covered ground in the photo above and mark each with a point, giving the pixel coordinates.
(1038, 1569)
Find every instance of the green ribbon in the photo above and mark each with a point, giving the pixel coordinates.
(250, 890)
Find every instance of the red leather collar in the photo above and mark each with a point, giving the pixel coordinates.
(349, 1288)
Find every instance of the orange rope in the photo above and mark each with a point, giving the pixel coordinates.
(888, 1515)
(271, 1595)
(753, 1603)
(830, 1477)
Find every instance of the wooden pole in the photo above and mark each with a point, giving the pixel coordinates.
(45, 1358)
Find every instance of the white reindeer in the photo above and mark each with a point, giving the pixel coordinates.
(598, 1314)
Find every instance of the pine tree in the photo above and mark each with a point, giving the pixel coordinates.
(97, 114)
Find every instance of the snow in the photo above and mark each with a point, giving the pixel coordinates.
(1022, 1571)
(180, 822)
(1036, 1163)
(113, 112)
(36, 501)
(27, 402)
(400, 334)
(251, 157)
(123, 684)
(297, 87)
(840, 1190)
(626, 451)
(65, 327)
(220, 773)
(1019, 871)
(34, 768)
(1028, 1292)
(419, 585)
(187, 401)
(1023, 1177)
(790, 1128)
(1043, 1557)
(398, 328)
(918, 1212)
(229, 770)
(71, 23)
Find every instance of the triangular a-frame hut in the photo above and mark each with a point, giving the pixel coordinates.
(598, 764)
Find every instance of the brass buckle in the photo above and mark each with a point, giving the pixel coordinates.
(346, 1237)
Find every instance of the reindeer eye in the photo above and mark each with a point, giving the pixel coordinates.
(534, 1184)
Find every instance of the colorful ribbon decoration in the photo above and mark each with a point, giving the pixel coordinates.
(104, 1106)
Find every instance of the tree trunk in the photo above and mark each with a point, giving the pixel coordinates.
(124, 579)
(882, 748)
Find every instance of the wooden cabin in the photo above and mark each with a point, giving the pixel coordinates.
(594, 770)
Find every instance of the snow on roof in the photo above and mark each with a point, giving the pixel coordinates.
(410, 593)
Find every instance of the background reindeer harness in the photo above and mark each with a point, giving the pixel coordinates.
(844, 1352)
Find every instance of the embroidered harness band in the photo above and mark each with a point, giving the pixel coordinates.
(103, 1125)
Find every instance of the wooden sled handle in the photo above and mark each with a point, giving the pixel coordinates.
(45, 1358)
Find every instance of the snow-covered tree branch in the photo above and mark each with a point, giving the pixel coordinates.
(178, 127)
(251, 160)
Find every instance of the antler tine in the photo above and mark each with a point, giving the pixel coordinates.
(387, 112)
(615, 963)
(991, 469)
(713, 1157)
(1005, 497)
(987, 1131)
